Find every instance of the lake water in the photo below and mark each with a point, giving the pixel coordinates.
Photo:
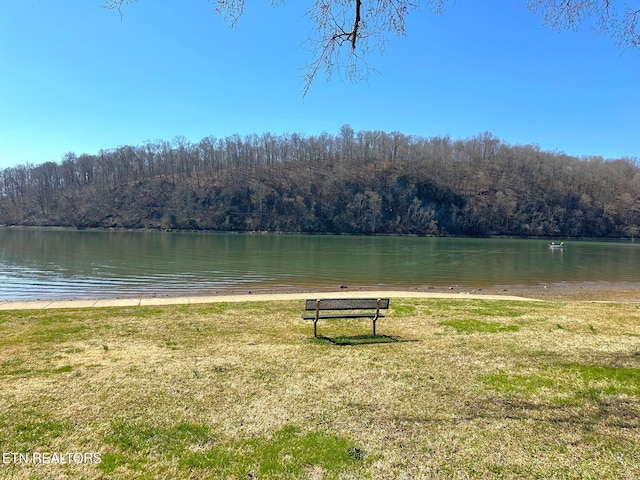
(60, 264)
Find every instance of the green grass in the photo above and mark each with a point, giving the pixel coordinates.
(403, 309)
(287, 454)
(576, 380)
(447, 389)
(28, 371)
(471, 325)
(490, 308)
(34, 432)
(137, 437)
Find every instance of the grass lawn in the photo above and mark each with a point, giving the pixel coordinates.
(454, 389)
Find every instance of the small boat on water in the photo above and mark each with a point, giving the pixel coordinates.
(555, 245)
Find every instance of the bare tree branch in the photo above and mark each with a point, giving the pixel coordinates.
(117, 5)
(230, 9)
(363, 25)
(356, 24)
(616, 18)
(630, 31)
(346, 32)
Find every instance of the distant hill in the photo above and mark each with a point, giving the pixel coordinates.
(367, 182)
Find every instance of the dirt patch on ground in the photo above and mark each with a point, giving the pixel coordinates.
(565, 291)
(580, 291)
(626, 292)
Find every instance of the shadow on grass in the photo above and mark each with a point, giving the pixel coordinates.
(343, 340)
(585, 417)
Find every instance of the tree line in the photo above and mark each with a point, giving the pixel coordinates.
(365, 182)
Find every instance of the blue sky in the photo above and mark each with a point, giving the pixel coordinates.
(77, 78)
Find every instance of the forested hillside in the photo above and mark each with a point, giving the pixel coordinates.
(364, 182)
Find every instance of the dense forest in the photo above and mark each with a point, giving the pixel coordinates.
(367, 182)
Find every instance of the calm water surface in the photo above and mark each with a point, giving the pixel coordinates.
(56, 264)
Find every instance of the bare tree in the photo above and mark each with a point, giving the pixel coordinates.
(617, 18)
(347, 31)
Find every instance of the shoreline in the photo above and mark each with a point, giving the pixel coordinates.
(627, 292)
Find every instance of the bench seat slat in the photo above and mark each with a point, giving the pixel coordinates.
(347, 303)
(326, 316)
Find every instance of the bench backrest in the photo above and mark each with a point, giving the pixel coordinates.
(347, 303)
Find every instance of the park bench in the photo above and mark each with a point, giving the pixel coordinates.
(346, 308)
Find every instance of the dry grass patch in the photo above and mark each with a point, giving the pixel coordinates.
(456, 389)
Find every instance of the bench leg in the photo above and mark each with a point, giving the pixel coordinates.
(375, 319)
(315, 322)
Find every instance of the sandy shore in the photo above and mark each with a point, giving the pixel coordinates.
(581, 291)
(566, 291)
